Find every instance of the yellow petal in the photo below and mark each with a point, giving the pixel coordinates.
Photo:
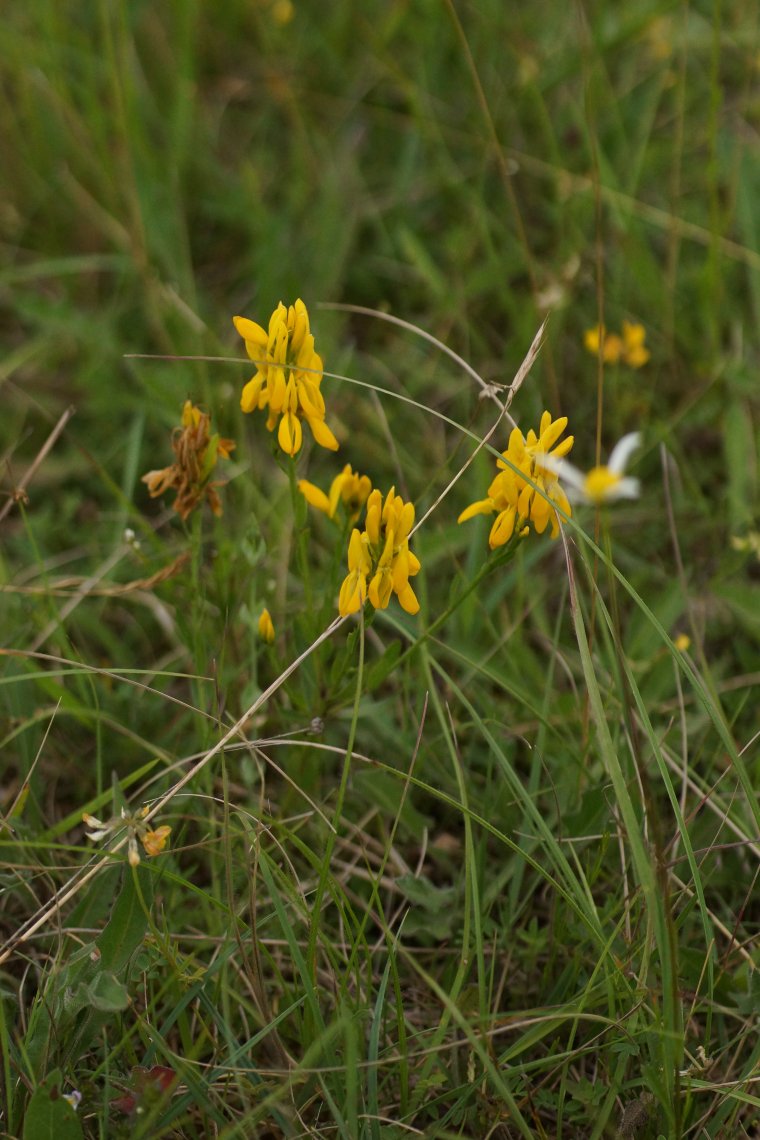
(408, 600)
(311, 399)
(381, 588)
(315, 497)
(155, 841)
(400, 570)
(300, 325)
(266, 626)
(551, 433)
(502, 529)
(254, 335)
(352, 594)
(250, 396)
(482, 507)
(290, 434)
(322, 433)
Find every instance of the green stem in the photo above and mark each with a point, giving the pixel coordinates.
(487, 568)
(301, 539)
(333, 833)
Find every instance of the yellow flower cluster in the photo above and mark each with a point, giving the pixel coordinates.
(197, 453)
(512, 494)
(349, 488)
(288, 377)
(629, 347)
(380, 562)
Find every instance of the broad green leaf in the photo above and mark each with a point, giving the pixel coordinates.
(49, 1116)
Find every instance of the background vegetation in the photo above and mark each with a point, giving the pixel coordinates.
(496, 881)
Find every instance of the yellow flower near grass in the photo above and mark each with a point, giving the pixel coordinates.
(349, 488)
(266, 626)
(380, 562)
(513, 494)
(628, 348)
(288, 377)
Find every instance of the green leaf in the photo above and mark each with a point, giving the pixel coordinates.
(421, 891)
(126, 928)
(94, 979)
(741, 462)
(49, 1116)
(377, 673)
(107, 993)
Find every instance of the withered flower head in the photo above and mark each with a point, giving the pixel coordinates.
(197, 453)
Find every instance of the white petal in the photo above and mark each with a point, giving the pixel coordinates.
(627, 488)
(622, 452)
(566, 471)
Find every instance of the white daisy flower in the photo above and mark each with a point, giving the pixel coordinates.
(601, 484)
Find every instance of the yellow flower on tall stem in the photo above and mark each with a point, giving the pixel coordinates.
(527, 464)
(288, 377)
(349, 488)
(380, 562)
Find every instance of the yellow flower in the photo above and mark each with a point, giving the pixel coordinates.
(634, 353)
(348, 488)
(197, 453)
(288, 377)
(266, 626)
(598, 339)
(380, 562)
(155, 841)
(353, 592)
(512, 496)
(606, 482)
(283, 11)
(682, 641)
(629, 347)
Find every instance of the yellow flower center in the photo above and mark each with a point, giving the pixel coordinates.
(599, 482)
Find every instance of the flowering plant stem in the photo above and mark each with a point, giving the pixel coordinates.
(301, 541)
(505, 554)
(333, 833)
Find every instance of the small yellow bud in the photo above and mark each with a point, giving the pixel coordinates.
(266, 626)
